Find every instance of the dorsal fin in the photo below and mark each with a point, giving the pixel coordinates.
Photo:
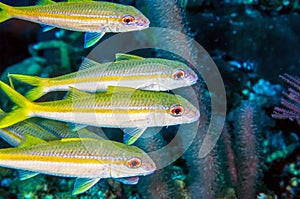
(45, 2)
(29, 140)
(122, 56)
(88, 63)
(47, 28)
(78, 0)
(74, 139)
(75, 93)
(119, 89)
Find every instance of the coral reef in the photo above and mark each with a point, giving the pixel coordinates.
(251, 42)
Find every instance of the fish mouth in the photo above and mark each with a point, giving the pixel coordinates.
(142, 27)
(150, 172)
(193, 78)
(197, 115)
(147, 24)
(193, 81)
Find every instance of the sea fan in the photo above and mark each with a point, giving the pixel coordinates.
(291, 102)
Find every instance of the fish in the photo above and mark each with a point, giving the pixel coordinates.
(42, 128)
(128, 71)
(62, 129)
(86, 159)
(92, 17)
(118, 107)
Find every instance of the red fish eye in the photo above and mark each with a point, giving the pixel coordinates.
(177, 110)
(134, 163)
(178, 74)
(128, 19)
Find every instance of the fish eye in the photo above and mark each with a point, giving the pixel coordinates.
(179, 74)
(127, 19)
(134, 163)
(177, 110)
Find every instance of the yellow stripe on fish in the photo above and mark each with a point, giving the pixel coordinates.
(94, 18)
(87, 159)
(42, 128)
(118, 107)
(14, 134)
(128, 71)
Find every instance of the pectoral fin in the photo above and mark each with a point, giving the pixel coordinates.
(91, 38)
(47, 28)
(83, 184)
(132, 134)
(24, 175)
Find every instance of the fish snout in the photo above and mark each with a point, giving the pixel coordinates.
(143, 23)
(193, 115)
(193, 77)
(150, 167)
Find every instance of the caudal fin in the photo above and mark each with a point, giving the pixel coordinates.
(39, 82)
(4, 15)
(20, 113)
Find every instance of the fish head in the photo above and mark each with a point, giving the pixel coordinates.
(135, 162)
(130, 19)
(180, 111)
(176, 75)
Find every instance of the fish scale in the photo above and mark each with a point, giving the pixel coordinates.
(41, 128)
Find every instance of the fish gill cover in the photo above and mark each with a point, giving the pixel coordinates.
(163, 87)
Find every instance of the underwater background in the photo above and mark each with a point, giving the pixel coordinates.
(255, 45)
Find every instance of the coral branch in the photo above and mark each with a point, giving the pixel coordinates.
(230, 155)
(247, 153)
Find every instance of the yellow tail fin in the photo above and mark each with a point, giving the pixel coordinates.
(18, 114)
(39, 82)
(4, 15)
